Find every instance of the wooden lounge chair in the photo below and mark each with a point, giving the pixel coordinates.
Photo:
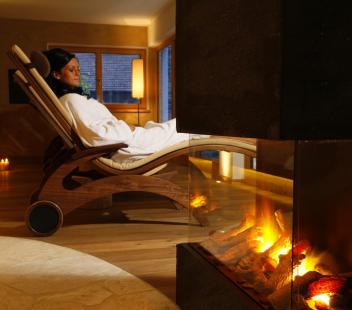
(66, 187)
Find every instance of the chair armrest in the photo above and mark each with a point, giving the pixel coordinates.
(98, 151)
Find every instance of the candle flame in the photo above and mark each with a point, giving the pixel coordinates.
(4, 165)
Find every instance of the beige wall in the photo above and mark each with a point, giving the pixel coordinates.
(22, 131)
(163, 25)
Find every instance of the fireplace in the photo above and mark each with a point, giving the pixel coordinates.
(278, 228)
(278, 232)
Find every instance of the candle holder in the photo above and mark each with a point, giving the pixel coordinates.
(4, 164)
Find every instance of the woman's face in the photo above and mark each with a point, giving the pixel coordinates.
(70, 74)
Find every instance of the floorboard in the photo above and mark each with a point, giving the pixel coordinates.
(138, 233)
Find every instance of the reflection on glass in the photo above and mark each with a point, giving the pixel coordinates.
(117, 78)
(247, 211)
(165, 84)
(88, 73)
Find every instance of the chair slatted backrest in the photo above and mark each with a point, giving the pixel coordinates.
(41, 106)
(44, 98)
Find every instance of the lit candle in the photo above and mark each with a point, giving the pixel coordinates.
(4, 164)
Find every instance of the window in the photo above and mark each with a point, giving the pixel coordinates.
(166, 80)
(87, 65)
(106, 74)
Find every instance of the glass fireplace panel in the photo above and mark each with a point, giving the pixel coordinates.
(323, 222)
(277, 222)
(244, 202)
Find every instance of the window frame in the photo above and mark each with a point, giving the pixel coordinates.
(98, 51)
(170, 41)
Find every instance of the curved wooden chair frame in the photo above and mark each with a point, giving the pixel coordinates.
(65, 187)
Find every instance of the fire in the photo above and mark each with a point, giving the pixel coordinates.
(322, 290)
(199, 201)
(271, 238)
(321, 301)
(268, 229)
(266, 238)
(307, 264)
(284, 249)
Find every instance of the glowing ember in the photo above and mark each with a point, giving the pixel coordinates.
(321, 291)
(326, 285)
(321, 301)
(301, 247)
(199, 201)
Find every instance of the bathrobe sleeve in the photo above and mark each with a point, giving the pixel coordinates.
(94, 123)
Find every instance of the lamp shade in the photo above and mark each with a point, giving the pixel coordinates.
(137, 78)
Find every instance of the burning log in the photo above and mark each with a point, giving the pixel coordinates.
(259, 252)
(282, 274)
(269, 270)
(281, 247)
(236, 247)
(247, 222)
(228, 246)
(250, 270)
(234, 254)
(280, 219)
(326, 285)
(281, 298)
(322, 291)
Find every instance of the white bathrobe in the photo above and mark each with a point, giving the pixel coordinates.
(96, 126)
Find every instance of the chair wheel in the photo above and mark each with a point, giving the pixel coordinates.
(44, 218)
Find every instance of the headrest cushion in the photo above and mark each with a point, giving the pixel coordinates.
(41, 63)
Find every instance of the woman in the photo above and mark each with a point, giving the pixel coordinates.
(94, 123)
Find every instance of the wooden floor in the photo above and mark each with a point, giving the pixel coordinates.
(138, 234)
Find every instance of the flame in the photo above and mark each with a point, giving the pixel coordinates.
(283, 250)
(309, 263)
(321, 301)
(199, 201)
(270, 235)
(267, 230)
(266, 238)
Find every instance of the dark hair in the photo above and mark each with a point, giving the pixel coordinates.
(59, 58)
